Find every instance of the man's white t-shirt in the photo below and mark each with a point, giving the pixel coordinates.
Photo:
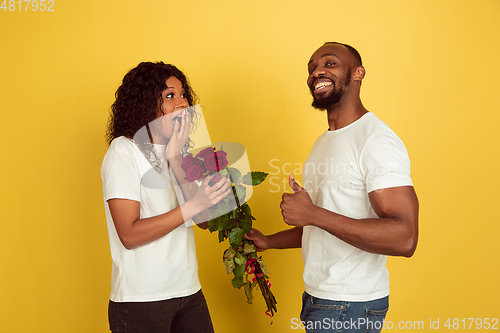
(165, 268)
(342, 168)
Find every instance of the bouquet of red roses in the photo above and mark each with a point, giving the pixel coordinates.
(232, 218)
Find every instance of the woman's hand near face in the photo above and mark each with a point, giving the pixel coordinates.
(179, 136)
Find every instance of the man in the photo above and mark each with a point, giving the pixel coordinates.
(357, 206)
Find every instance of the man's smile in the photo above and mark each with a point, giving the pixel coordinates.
(321, 85)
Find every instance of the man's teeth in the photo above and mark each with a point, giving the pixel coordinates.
(322, 85)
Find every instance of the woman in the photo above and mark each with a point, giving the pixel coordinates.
(154, 282)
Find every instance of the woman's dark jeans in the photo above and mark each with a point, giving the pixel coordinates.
(176, 315)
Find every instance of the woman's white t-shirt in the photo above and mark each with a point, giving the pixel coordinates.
(165, 268)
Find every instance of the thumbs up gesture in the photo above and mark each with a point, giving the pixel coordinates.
(293, 184)
(296, 207)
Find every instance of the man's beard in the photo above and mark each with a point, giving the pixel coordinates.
(334, 96)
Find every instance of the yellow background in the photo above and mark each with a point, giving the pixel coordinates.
(432, 75)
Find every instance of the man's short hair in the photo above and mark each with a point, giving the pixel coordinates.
(351, 49)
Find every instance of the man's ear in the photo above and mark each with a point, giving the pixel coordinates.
(359, 74)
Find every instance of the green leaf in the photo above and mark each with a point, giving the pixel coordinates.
(236, 237)
(241, 215)
(264, 268)
(229, 262)
(241, 192)
(235, 175)
(213, 212)
(246, 209)
(248, 292)
(222, 235)
(239, 259)
(223, 208)
(252, 255)
(239, 270)
(254, 178)
(229, 253)
(246, 224)
(231, 201)
(218, 223)
(237, 282)
(247, 179)
(248, 248)
(212, 225)
(224, 221)
(232, 224)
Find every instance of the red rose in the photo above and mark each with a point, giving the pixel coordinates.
(216, 161)
(205, 152)
(193, 172)
(187, 161)
(198, 161)
(222, 157)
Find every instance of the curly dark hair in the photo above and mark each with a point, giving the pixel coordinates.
(139, 101)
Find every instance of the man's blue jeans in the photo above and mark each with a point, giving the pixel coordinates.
(321, 315)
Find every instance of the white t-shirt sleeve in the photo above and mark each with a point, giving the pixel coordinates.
(120, 177)
(384, 162)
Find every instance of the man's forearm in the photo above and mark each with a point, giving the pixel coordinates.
(286, 239)
(387, 235)
(395, 232)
